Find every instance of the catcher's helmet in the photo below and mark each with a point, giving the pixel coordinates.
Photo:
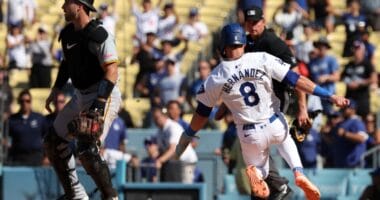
(88, 4)
(232, 34)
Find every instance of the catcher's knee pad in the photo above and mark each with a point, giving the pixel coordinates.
(56, 147)
(96, 167)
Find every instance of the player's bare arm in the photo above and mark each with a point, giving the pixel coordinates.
(302, 115)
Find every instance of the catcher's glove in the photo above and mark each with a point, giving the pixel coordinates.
(299, 132)
(88, 123)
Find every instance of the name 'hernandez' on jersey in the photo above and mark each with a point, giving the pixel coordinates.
(245, 86)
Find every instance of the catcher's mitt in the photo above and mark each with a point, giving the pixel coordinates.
(299, 132)
(88, 123)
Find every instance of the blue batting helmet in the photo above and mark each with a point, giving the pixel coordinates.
(232, 34)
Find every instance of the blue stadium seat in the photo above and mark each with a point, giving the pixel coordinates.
(349, 197)
(331, 182)
(229, 184)
(358, 181)
(233, 197)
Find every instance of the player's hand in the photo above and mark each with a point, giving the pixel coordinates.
(303, 118)
(339, 101)
(50, 99)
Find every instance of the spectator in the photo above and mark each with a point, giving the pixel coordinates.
(193, 29)
(147, 19)
(145, 55)
(369, 47)
(352, 20)
(359, 75)
(149, 171)
(168, 53)
(175, 113)
(204, 69)
(16, 12)
(324, 14)
(31, 10)
(42, 60)
(372, 191)
(108, 18)
(371, 9)
(6, 96)
(289, 17)
(115, 143)
(26, 132)
(171, 87)
(15, 44)
(350, 139)
(323, 70)
(167, 23)
(328, 131)
(305, 46)
(58, 103)
(309, 149)
(168, 136)
(1, 11)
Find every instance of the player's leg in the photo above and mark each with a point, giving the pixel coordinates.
(255, 153)
(289, 152)
(88, 148)
(278, 185)
(60, 153)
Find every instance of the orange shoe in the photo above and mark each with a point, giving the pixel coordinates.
(311, 191)
(258, 185)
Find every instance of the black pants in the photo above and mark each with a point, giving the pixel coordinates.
(40, 76)
(275, 182)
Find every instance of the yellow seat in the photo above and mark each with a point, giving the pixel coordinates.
(137, 107)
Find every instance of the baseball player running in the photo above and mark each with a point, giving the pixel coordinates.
(244, 83)
(90, 61)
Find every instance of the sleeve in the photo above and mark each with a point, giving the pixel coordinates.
(175, 134)
(333, 64)
(107, 52)
(279, 49)
(277, 67)
(63, 75)
(209, 91)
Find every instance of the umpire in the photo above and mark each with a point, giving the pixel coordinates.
(90, 61)
(262, 39)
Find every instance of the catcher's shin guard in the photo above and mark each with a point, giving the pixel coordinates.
(97, 168)
(62, 159)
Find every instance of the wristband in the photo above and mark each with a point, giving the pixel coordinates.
(321, 92)
(105, 88)
(190, 132)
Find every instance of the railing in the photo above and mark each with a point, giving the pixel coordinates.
(373, 153)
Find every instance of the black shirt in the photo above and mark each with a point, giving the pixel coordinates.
(268, 42)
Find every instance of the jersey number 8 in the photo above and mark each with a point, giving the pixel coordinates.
(248, 91)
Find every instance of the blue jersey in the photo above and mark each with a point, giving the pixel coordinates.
(27, 132)
(116, 135)
(348, 153)
(324, 66)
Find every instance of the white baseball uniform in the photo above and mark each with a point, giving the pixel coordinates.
(245, 86)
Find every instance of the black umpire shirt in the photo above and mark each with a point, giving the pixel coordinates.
(268, 42)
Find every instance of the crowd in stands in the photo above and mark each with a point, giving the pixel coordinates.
(159, 45)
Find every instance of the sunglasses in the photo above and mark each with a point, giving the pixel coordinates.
(25, 100)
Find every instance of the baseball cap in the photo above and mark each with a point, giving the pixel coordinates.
(168, 6)
(103, 6)
(254, 13)
(356, 44)
(150, 140)
(193, 12)
(322, 41)
(88, 4)
(375, 172)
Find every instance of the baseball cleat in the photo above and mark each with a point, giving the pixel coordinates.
(258, 185)
(311, 191)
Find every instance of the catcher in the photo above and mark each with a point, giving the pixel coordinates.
(90, 61)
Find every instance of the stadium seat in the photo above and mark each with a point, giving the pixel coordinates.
(233, 197)
(331, 182)
(349, 197)
(358, 181)
(229, 184)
